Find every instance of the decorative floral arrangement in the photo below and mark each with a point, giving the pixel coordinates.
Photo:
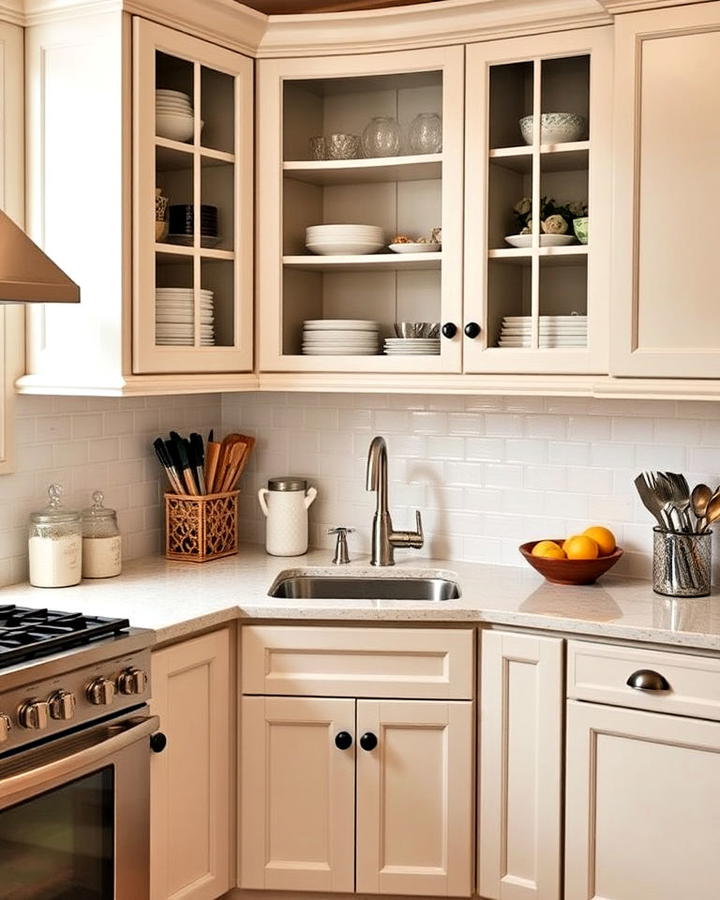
(555, 218)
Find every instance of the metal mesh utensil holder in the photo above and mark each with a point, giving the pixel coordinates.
(682, 564)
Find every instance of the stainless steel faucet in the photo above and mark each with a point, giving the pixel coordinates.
(384, 538)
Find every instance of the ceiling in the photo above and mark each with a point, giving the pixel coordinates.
(289, 7)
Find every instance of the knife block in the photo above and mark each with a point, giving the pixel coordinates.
(198, 529)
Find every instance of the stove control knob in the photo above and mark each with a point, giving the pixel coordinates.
(100, 692)
(132, 681)
(33, 714)
(62, 705)
(5, 726)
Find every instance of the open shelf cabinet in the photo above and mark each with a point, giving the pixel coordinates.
(409, 193)
(516, 293)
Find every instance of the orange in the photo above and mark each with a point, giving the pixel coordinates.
(580, 546)
(603, 537)
(548, 550)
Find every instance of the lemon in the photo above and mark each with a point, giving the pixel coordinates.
(548, 550)
(580, 546)
(603, 537)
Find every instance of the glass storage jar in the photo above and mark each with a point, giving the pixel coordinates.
(425, 133)
(55, 544)
(101, 541)
(381, 137)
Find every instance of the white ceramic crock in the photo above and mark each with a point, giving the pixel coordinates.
(285, 503)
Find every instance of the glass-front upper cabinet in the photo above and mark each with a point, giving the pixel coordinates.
(537, 221)
(360, 212)
(193, 205)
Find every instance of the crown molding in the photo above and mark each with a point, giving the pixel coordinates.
(404, 27)
(616, 7)
(12, 11)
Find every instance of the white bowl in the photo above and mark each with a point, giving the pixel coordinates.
(555, 128)
(415, 248)
(341, 324)
(166, 92)
(327, 231)
(546, 240)
(174, 127)
(343, 248)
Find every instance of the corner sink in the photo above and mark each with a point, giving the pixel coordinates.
(348, 587)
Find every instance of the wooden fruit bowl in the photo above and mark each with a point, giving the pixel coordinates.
(569, 571)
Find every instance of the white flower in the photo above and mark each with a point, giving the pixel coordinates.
(577, 209)
(523, 207)
(527, 230)
(554, 225)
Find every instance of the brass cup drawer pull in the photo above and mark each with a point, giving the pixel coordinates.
(648, 680)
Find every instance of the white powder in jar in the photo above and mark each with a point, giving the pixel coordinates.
(101, 556)
(55, 561)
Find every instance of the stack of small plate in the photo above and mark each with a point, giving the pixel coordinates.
(340, 240)
(340, 337)
(173, 115)
(412, 346)
(174, 317)
(555, 332)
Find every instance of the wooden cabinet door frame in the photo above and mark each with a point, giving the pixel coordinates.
(520, 782)
(453, 723)
(634, 34)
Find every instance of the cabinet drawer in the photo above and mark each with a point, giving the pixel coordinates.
(434, 664)
(600, 672)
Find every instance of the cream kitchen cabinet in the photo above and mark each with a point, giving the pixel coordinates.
(520, 781)
(667, 87)
(348, 794)
(95, 159)
(191, 811)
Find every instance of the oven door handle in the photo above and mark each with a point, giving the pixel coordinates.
(59, 768)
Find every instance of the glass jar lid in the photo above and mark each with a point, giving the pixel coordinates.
(97, 511)
(287, 483)
(55, 513)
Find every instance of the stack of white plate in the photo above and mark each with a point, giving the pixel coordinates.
(554, 331)
(175, 317)
(173, 115)
(340, 337)
(339, 240)
(412, 346)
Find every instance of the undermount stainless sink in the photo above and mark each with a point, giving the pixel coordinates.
(340, 587)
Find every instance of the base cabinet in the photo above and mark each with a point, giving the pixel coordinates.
(643, 805)
(520, 802)
(343, 795)
(191, 781)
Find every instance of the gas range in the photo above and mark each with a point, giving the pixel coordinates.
(60, 671)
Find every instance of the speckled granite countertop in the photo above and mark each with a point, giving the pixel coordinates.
(176, 599)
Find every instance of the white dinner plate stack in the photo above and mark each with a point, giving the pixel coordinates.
(396, 346)
(174, 317)
(340, 337)
(555, 332)
(173, 115)
(341, 240)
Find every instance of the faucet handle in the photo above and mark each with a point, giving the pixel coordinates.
(418, 527)
(341, 557)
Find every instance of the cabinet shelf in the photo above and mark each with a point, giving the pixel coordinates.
(377, 261)
(169, 253)
(175, 156)
(366, 171)
(573, 255)
(553, 157)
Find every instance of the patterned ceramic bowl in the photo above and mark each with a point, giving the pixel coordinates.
(555, 128)
(580, 227)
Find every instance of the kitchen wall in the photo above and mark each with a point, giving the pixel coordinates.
(487, 473)
(89, 444)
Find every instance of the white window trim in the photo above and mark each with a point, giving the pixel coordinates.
(12, 200)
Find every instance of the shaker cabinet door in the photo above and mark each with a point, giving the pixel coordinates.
(297, 829)
(643, 805)
(414, 798)
(190, 794)
(667, 91)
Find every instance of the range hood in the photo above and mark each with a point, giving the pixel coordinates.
(27, 275)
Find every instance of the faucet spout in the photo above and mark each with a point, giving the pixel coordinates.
(384, 538)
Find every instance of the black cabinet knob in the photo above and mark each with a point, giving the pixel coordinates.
(647, 680)
(449, 329)
(343, 740)
(472, 329)
(158, 742)
(368, 741)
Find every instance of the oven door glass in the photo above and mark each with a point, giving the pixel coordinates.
(59, 845)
